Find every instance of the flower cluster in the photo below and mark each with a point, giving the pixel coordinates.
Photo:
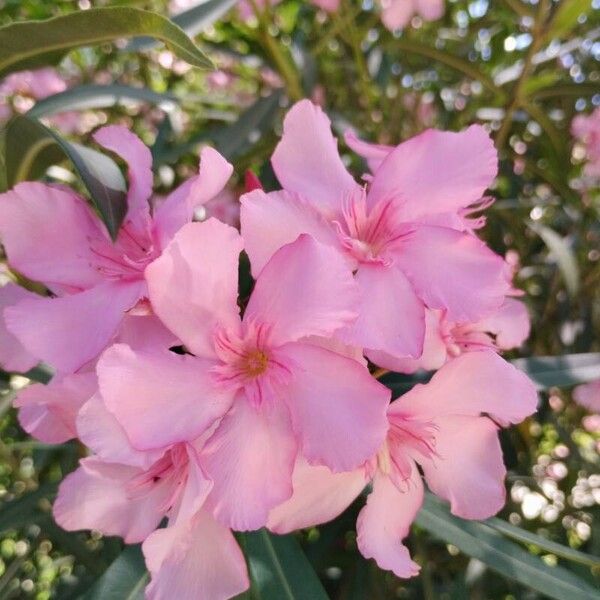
(206, 412)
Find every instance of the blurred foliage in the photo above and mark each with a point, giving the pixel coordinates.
(524, 69)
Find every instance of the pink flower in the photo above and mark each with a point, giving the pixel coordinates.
(52, 235)
(38, 84)
(259, 388)
(586, 129)
(588, 396)
(397, 14)
(505, 329)
(13, 357)
(394, 234)
(122, 491)
(440, 427)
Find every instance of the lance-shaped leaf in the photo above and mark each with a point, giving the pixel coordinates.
(30, 148)
(32, 44)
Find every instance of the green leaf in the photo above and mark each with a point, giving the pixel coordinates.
(526, 537)
(32, 507)
(561, 371)
(84, 97)
(30, 148)
(279, 570)
(125, 579)
(32, 44)
(562, 253)
(565, 18)
(193, 20)
(566, 90)
(479, 541)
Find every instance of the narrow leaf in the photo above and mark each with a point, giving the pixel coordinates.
(483, 543)
(29, 508)
(279, 570)
(561, 371)
(32, 44)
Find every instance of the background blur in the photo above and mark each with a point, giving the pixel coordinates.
(525, 69)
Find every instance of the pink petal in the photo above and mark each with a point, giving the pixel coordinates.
(99, 429)
(198, 559)
(327, 5)
(145, 331)
(48, 412)
(396, 14)
(46, 232)
(305, 289)
(510, 324)
(250, 459)
(141, 387)
(178, 208)
(473, 383)
(95, 496)
(134, 152)
(307, 162)
(270, 221)
(453, 271)
(193, 284)
(588, 395)
(196, 490)
(385, 521)
(430, 10)
(13, 357)
(391, 317)
(338, 410)
(468, 469)
(437, 171)
(374, 154)
(319, 496)
(68, 332)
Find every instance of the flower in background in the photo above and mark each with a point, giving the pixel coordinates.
(449, 428)
(263, 388)
(397, 14)
(405, 235)
(588, 396)
(52, 235)
(586, 129)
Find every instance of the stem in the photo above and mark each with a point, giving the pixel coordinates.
(277, 54)
(538, 31)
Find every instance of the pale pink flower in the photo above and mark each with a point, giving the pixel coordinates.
(588, 396)
(53, 236)
(225, 206)
(37, 84)
(586, 128)
(274, 392)
(397, 14)
(439, 426)
(396, 234)
(505, 329)
(13, 357)
(123, 491)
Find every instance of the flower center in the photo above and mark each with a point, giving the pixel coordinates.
(256, 363)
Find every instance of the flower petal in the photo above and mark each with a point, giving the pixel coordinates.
(46, 232)
(250, 459)
(472, 384)
(305, 289)
(385, 521)
(193, 284)
(95, 496)
(307, 162)
(13, 357)
(70, 331)
(374, 154)
(397, 14)
(453, 271)
(270, 221)
(338, 410)
(141, 387)
(319, 496)
(430, 10)
(198, 559)
(588, 395)
(48, 412)
(468, 469)
(436, 171)
(510, 324)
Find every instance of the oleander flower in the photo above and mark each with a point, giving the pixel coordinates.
(265, 386)
(397, 14)
(396, 234)
(448, 427)
(53, 236)
(586, 129)
(588, 396)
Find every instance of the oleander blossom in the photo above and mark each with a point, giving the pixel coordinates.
(397, 14)
(586, 129)
(403, 234)
(588, 396)
(448, 427)
(268, 386)
(52, 235)
(123, 491)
